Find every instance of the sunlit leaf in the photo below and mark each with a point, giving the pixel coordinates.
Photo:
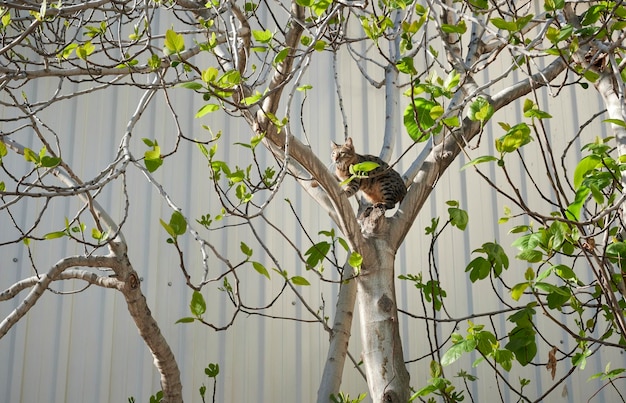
(55, 235)
(208, 108)
(262, 36)
(174, 42)
(479, 160)
(198, 304)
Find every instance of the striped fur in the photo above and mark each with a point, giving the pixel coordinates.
(383, 186)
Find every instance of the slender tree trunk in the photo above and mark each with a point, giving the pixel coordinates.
(383, 359)
(149, 330)
(339, 338)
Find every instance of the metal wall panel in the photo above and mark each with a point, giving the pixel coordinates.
(84, 346)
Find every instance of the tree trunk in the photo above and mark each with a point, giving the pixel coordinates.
(147, 326)
(383, 359)
(339, 338)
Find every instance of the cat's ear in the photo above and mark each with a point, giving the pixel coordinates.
(333, 144)
(349, 142)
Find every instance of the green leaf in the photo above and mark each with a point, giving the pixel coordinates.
(212, 370)
(618, 122)
(456, 351)
(580, 359)
(152, 158)
(500, 23)
(262, 36)
(281, 56)
(241, 191)
(458, 217)
(586, 165)
(405, 65)
(185, 320)
(417, 119)
(168, 229)
(208, 108)
(504, 358)
(197, 305)
(178, 223)
(97, 234)
(6, 20)
(516, 137)
(355, 260)
(261, 269)
(522, 344)
(319, 46)
(316, 254)
(565, 272)
(573, 210)
(436, 111)
(230, 79)
(553, 5)
(558, 297)
(55, 235)
(518, 290)
(85, 50)
(174, 42)
(245, 249)
(479, 269)
(459, 28)
(50, 162)
(362, 168)
(530, 255)
(479, 160)
(210, 75)
(297, 280)
(30, 156)
(480, 110)
(3, 149)
(192, 86)
(452, 121)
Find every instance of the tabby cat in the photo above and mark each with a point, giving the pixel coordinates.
(383, 187)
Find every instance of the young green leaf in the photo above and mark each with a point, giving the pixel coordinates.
(316, 254)
(456, 351)
(458, 217)
(54, 235)
(261, 269)
(178, 223)
(355, 260)
(197, 305)
(174, 42)
(152, 158)
(185, 320)
(480, 110)
(297, 280)
(208, 108)
(245, 249)
(262, 36)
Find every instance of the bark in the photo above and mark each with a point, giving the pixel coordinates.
(126, 281)
(596, 57)
(339, 338)
(442, 155)
(383, 358)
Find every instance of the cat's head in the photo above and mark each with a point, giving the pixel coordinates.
(342, 152)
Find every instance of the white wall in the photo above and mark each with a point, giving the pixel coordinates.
(84, 347)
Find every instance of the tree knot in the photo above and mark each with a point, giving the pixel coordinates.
(372, 220)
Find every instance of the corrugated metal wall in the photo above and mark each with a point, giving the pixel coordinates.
(84, 347)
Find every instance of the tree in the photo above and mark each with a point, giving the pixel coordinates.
(249, 59)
